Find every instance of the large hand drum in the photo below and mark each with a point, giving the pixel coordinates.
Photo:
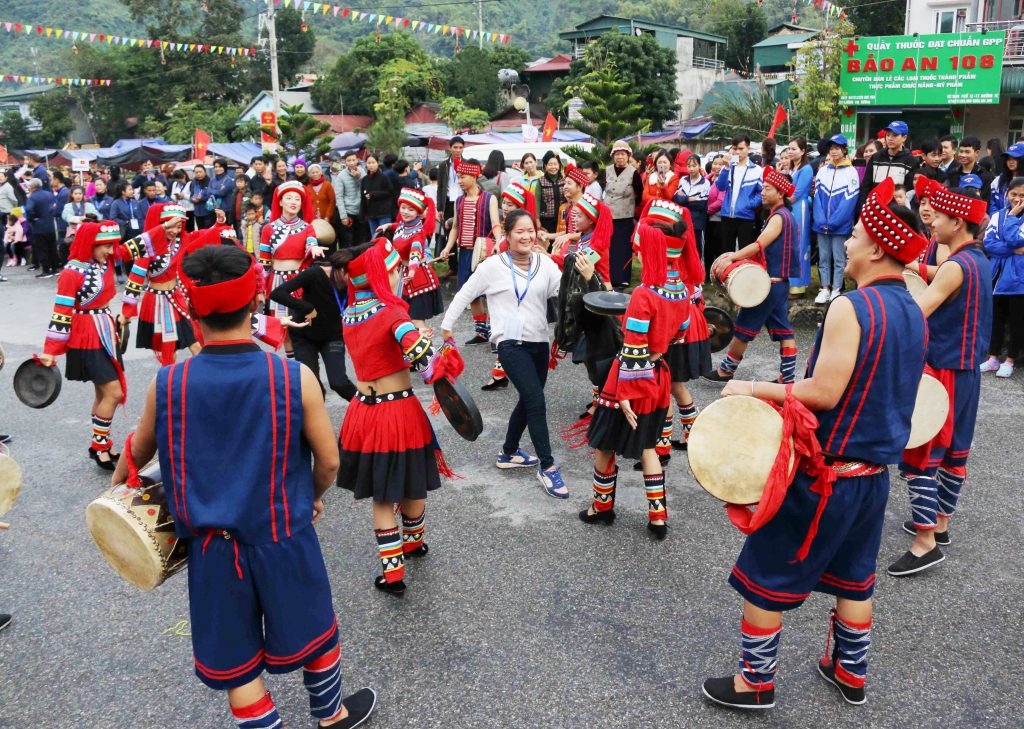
(931, 408)
(745, 282)
(35, 384)
(732, 447)
(10, 482)
(915, 284)
(608, 303)
(720, 328)
(325, 234)
(134, 531)
(459, 408)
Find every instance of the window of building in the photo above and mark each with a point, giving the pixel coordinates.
(951, 21)
(996, 10)
(1015, 128)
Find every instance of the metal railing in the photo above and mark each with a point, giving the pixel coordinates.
(714, 63)
(1013, 51)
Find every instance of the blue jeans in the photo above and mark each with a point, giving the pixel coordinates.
(831, 259)
(375, 223)
(526, 364)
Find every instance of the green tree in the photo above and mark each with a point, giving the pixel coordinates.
(743, 23)
(180, 122)
(14, 131)
(612, 110)
(400, 84)
(639, 61)
(870, 17)
(751, 114)
(509, 56)
(815, 91)
(52, 111)
(301, 133)
(458, 117)
(472, 75)
(352, 84)
(294, 45)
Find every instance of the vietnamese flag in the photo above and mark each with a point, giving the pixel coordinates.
(3, 154)
(200, 143)
(780, 116)
(550, 125)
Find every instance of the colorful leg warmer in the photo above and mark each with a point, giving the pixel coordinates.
(657, 505)
(730, 363)
(497, 371)
(604, 489)
(480, 325)
(322, 679)
(950, 483)
(923, 500)
(413, 531)
(850, 654)
(261, 714)
(687, 414)
(787, 364)
(759, 655)
(392, 557)
(664, 445)
(101, 433)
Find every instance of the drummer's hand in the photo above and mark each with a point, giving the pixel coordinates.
(318, 510)
(427, 332)
(627, 410)
(408, 277)
(47, 360)
(445, 253)
(222, 217)
(317, 251)
(736, 387)
(446, 334)
(287, 321)
(121, 320)
(120, 474)
(585, 267)
(311, 316)
(172, 226)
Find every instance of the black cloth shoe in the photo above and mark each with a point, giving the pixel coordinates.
(44, 274)
(107, 465)
(660, 531)
(851, 694)
(5, 620)
(716, 376)
(5, 438)
(32, 268)
(495, 384)
(420, 551)
(360, 705)
(941, 538)
(663, 460)
(476, 339)
(394, 588)
(724, 693)
(598, 517)
(910, 563)
(678, 445)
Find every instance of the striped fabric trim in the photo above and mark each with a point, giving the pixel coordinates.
(638, 325)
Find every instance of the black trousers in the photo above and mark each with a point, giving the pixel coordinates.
(735, 233)
(1007, 313)
(44, 251)
(310, 351)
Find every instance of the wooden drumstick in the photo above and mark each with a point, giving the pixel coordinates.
(4, 525)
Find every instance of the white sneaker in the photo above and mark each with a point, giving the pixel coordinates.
(990, 365)
(822, 296)
(836, 293)
(1005, 370)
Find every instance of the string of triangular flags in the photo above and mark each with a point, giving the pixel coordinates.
(76, 36)
(395, 22)
(55, 80)
(826, 6)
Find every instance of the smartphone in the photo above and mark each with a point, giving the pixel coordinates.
(593, 257)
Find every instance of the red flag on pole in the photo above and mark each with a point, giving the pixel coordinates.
(3, 154)
(550, 125)
(200, 143)
(780, 116)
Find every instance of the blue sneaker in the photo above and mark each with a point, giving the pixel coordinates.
(519, 459)
(553, 484)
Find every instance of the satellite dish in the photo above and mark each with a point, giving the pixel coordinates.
(508, 77)
(520, 103)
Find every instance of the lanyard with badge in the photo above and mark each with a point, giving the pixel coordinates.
(516, 324)
(133, 222)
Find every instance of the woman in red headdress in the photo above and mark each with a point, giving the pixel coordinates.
(82, 326)
(417, 219)
(388, 448)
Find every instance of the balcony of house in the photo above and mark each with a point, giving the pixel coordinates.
(712, 63)
(1013, 52)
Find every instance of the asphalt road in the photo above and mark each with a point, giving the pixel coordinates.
(521, 616)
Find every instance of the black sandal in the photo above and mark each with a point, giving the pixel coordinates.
(495, 384)
(108, 465)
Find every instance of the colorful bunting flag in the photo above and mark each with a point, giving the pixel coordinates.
(55, 80)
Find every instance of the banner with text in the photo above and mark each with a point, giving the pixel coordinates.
(925, 70)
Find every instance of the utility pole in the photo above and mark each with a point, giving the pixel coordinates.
(275, 87)
(480, 21)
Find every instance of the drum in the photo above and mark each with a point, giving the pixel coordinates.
(134, 531)
(720, 328)
(915, 284)
(10, 481)
(745, 282)
(459, 408)
(609, 303)
(732, 447)
(35, 384)
(325, 234)
(930, 411)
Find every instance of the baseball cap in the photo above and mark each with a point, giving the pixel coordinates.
(971, 180)
(840, 140)
(898, 127)
(1015, 150)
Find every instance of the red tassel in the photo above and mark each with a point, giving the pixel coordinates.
(435, 406)
(442, 465)
(133, 480)
(556, 356)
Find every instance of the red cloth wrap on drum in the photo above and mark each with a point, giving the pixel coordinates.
(918, 457)
(446, 362)
(132, 480)
(798, 434)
